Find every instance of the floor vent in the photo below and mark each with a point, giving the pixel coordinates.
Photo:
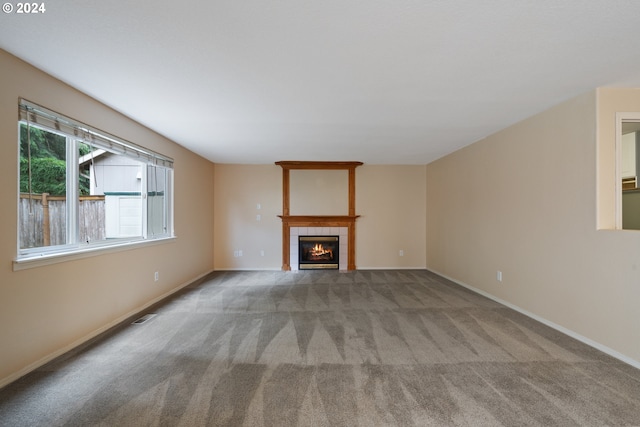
(144, 319)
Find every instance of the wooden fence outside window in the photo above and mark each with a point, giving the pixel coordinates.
(42, 219)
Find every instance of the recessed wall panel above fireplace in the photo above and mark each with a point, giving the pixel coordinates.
(319, 192)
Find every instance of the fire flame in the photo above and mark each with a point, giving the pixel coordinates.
(318, 249)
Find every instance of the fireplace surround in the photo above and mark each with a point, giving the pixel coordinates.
(318, 252)
(296, 232)
(293, 223)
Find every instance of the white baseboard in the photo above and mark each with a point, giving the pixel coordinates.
(357, 268)
(48, 358)
(603, 348)
(422, 267)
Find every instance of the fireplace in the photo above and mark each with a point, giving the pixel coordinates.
(297, 225)
(318, 252)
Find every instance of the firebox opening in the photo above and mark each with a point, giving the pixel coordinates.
(318, 252)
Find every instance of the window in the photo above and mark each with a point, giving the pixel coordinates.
(81, 188)
(628, 169)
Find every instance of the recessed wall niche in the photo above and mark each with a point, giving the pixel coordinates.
(319, 192)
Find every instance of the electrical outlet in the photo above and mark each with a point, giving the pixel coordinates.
(240, 252)
(262, 253)
(258, 206)
(499, 276)
(258, 217)
(401, 252)
(156, 276)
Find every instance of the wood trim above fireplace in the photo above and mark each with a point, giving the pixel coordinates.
(289, 221)
(318, 220)
(290, 164)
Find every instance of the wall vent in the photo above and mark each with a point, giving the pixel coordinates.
(144, 319)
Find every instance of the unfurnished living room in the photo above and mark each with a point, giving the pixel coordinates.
(304, 213)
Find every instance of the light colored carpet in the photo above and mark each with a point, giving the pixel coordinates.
(325, 348)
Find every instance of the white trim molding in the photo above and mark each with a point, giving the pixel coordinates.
(591, 343)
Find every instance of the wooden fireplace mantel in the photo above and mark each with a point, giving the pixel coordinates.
(289, 221)
(318, 220)
(294, 164)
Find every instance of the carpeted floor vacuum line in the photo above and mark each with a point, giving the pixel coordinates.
(327, 348)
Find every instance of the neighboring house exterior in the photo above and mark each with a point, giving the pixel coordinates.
(120, 180)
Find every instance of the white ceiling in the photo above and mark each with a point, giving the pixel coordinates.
(379, 81)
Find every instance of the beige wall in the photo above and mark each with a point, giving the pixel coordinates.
(44, 310)
(523, 201)
(392, 203)
(238, 190)
(390, 200)
(318, 192)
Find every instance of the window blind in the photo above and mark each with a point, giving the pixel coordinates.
(34, 113)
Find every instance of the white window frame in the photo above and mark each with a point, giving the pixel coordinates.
(621, 117)
(75, 133)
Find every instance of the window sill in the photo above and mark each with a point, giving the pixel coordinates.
(48, 259)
